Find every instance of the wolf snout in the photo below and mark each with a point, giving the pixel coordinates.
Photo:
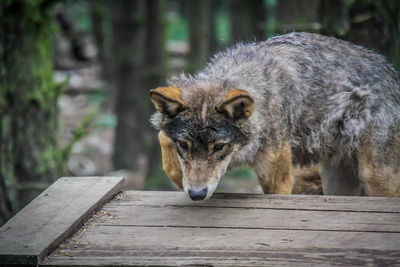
(198, 194)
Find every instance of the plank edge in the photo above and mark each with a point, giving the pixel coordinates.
(84, 217)
(34, 258)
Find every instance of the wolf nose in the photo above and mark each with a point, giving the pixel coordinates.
(198, 194)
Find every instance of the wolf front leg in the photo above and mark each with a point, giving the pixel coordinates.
(170, 161)
(379, 168)
(273, 167)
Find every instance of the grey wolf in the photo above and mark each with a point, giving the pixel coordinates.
(294, 99)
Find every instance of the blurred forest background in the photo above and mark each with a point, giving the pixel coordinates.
(75, 77)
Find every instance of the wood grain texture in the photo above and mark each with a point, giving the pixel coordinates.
(167, 229)
(137, 246)
(53, 215)
(254, 219)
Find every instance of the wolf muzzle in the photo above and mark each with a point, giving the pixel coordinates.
(198, 194)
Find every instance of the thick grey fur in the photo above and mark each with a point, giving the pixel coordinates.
(325, 95)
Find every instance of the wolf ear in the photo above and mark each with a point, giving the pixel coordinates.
(167, 100)
(238, 104)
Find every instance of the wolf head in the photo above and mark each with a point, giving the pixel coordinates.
(207, 127)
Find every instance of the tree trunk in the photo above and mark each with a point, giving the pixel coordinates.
(333, 18)
(240, 21)
(5, 205)
(155, 74)
(30, 158)
(199, 34)
(258, 19)
(212, 17)
(97, 14)
(376, 25)
(373, 24)
(248, 20)
(132, 102)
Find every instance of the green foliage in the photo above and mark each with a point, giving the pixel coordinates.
(159, 181)
(97, 98)
(81, 130)
(107, 120)
(242, 173)
(35, 70)
(271, 20)
(80, 10)
(177, 28)
(223, 29)
(349, 3)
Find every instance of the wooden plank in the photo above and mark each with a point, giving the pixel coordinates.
(167, 229)
(53, 215)
(262, 201)
(160, 246)
(252, 218)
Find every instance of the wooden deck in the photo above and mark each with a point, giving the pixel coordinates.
(139, 228)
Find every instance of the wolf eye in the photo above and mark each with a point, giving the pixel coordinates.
(183, 144)
(218, 146)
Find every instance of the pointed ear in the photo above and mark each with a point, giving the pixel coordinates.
(238, 104)
(167, 100)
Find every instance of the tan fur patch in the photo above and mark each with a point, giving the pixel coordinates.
(307, 180)
(379, 178)
(235, 97)
(170, 92)
(236, 93)
(274, 169)
(170, 161)
(166, 98)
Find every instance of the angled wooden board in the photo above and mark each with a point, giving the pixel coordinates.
(166, 229)
(53, 215)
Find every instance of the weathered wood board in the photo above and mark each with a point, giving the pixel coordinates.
(52, 216)
(168, 229)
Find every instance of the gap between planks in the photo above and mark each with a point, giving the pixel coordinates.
(248, 208)
(262, 201)
(247, 228)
